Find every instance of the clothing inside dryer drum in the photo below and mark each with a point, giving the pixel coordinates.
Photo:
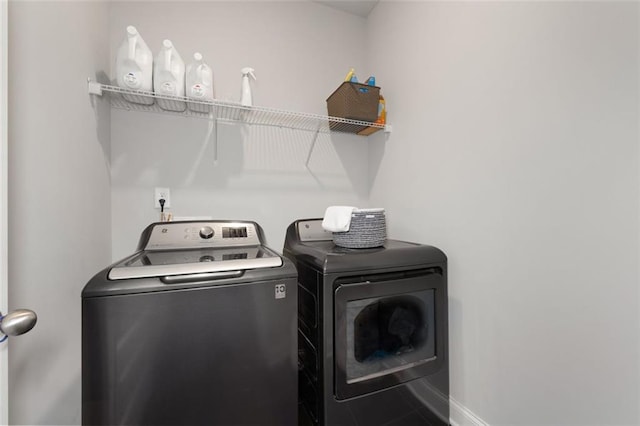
(388, 333)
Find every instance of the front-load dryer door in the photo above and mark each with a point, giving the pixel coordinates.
(389, 329)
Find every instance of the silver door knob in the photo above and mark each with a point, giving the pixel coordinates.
(17, 322)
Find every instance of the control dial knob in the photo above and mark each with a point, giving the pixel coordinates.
(206, 232)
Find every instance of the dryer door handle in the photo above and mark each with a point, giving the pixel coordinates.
(194, 278)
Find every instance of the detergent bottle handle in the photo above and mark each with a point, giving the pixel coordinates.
(167, 47)
(132, 46)
(199, 60)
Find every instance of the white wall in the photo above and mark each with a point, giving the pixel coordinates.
(301, 52)
(515, 150)
(59, 197)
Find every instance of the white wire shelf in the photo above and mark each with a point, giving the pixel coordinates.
(138, 100)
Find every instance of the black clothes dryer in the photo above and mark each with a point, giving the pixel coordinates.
(372, 330)
(197, 327)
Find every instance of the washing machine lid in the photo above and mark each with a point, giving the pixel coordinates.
(156, 263)
(196, 247)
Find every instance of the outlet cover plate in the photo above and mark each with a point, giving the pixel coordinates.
(161, 193)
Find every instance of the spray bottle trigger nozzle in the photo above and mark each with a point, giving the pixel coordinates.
(248, 71)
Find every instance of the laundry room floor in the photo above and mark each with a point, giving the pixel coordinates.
(413, 418)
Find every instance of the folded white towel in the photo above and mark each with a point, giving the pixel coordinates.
(337, 218)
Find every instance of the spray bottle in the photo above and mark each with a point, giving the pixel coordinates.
(246, 99)
(382, 111)
(351, 76)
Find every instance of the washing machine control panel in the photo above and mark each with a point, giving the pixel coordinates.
(184, 235)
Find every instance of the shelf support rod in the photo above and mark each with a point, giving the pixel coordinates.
(313, 145)
(213, 117)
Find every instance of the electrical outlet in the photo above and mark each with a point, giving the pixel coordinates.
(162, 193)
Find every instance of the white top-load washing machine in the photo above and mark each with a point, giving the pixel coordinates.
(197, 327)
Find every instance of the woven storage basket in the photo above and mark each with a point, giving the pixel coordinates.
(368, 229)
(354, 101)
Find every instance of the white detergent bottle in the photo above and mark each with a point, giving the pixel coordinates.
(134, 66)
(199, 83)
(245, 98)
(168, 77)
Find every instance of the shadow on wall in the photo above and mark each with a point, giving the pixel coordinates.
(66, 397)
(157, 149)
(457, 381)
(376, 144)
(102, 112)
(376, 153)
(64, 406)
(348, 147)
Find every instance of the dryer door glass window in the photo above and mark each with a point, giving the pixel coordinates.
(388, 334)
(388, 329)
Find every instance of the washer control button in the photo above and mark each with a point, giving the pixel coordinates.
(206, 232)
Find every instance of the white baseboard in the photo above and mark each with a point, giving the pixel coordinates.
(461, 416)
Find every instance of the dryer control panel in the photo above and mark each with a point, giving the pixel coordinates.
(185, 235)
(312, 230)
